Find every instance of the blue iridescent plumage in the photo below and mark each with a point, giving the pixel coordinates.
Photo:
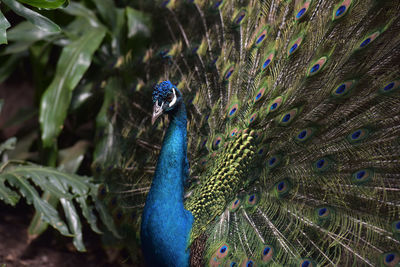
(166, 224)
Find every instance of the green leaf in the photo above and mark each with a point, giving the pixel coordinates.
(74, 188)
(137, 22)
(4, 25)
(27, 32)
(7, 195)
(51, 4)
(32, 16)
(76, 29)
(78, 10)
(38, 225)
(56, 185)
(50, 214)
(51, 187)
(74, 223)
(88, 213)
(9, 144)
(73, 63)
(81, 95)
(107, 11)
(71, 158)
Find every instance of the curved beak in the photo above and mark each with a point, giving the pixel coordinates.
(157, 112)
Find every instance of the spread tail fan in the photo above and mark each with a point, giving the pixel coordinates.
(293, 130)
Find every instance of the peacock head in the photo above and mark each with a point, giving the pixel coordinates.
(165, 98)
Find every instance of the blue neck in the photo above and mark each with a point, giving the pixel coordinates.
(166, 225)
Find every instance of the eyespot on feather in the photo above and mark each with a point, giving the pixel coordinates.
(275, 104)
(341, 10)
(273, 161)
(396, 226)
(299, 14)
(368, 40)
(358, 135)
(228, 73)
(306, 263)
(235, 204)
(390, 259)
(233, 133)
(118, 216)
(218, 256)
(267, 253)
(305, 134)
(259, 94)
(282, 188)
(343, 89)
(222, 251)
(253, 118)
(323, 213)
(246, 262)
(267, 61)
(261, 151)
(362, 176)
(239, 18)
(252, 199)
(233, 110)
(317, 66)
(217, 4)
(396, 229)
(322, 164)
(260, 36)
(217, 142)
(288, 117)
(390, 87)
(294, 46)
(102, 192)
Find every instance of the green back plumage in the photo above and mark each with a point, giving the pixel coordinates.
(293, 130)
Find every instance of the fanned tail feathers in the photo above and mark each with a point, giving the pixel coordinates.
(293, 133)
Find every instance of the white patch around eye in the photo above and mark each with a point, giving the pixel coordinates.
(173, 99)
(157, 109)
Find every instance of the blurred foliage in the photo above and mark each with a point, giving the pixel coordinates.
(71, 52)
(35, 18)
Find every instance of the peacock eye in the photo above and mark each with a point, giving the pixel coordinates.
(170, 97)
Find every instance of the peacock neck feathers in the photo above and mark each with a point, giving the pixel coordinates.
(166, 224)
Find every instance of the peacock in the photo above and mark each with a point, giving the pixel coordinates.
(258, 133)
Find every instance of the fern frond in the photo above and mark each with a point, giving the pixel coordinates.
(28, 180)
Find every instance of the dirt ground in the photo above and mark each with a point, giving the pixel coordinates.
(48, 250)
